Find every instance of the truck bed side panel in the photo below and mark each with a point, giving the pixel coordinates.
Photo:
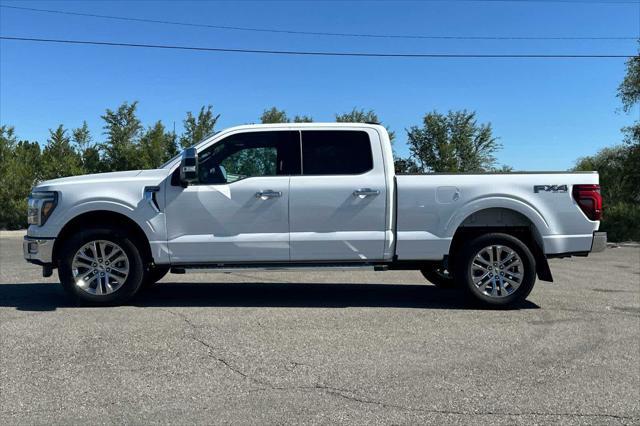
(432, 207)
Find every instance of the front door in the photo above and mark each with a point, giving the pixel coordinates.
(239, 209)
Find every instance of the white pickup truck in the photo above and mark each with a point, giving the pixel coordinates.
(308, 195)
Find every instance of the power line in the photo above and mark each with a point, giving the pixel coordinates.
(316, 53)
(313, 33)
(544, 1)
(538, 1)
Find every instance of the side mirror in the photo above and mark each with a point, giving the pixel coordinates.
(189, 167)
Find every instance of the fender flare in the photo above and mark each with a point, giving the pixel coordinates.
(502, 202)
(109, 206)
(541, 226)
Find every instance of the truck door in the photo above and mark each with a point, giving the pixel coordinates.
(337, 205)
(239, 209)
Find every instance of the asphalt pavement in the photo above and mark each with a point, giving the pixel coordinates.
(323, 347)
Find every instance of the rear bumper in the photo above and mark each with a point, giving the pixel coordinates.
(558, 246)
(599, 242)
(38, 250)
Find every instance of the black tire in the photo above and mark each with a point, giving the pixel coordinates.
(439, 276)
(502, 298)
(126, 290)
(153, 275)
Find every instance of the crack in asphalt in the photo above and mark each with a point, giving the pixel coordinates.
(182, 316)
(353, 396)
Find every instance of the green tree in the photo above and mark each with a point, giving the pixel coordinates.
(19, 171)
(273, 115)
(405, 165)
(362, 116)
(629, 94)
(454, 142)
(122, 128)
(157, 146)
(89, 152)
(7, 145)
(502, 169)
(81, 137)
(620, 186)
(302, 119)
(59, 159)
(198, 128)
(619, 173)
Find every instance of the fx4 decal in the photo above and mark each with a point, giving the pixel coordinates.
(550, 188)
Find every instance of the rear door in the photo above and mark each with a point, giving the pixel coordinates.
(337, 206)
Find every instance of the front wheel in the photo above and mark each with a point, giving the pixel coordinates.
(100, 267)
(497, 270)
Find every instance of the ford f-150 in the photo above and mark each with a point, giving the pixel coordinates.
(308, 195)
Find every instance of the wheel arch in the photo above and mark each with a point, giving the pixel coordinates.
(503, 220)
(106, 218)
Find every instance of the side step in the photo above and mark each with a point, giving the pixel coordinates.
(231, 267)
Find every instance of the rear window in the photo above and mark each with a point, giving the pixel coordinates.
(336, 152)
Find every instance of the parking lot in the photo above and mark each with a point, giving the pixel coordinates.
(323, 347)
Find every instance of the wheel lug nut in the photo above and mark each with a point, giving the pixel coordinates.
(109, 270)
(102, 274)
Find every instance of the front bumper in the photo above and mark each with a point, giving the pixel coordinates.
(599, 242)
(38, 250)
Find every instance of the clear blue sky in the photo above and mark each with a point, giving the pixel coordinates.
(547, 112)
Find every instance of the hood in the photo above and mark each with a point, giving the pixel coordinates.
(104, 178)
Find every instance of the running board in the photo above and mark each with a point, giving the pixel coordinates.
(274, 267)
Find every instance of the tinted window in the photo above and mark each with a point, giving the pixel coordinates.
(330, 152)
(245, 155)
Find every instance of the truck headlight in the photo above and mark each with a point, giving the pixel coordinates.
(41, 205)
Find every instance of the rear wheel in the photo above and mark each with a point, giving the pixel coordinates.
(496, 269)
(100, 267)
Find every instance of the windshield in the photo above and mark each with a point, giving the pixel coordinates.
(175, 157)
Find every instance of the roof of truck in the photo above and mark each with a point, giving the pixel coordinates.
(302, 125)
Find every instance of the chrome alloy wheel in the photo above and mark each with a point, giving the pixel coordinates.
(100, 267)
(497, 271)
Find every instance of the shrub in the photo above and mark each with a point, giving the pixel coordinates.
(621, 221)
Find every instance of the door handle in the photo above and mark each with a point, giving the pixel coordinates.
(268, 194)
(365, 192)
